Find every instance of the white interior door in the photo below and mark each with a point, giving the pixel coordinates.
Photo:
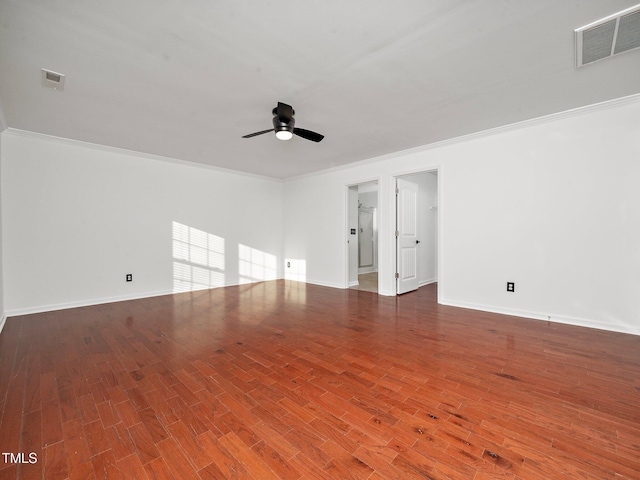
(406, 235)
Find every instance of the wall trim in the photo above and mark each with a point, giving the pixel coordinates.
(119, 298)
(3, 320)
(422, 148)
(365, 270)
(326, 284)
(552, 117)
(123, 151)
(577, 322)
(83, 303)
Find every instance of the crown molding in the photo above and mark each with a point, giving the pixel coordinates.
(123, 151)
(575, 112)
(635, 98)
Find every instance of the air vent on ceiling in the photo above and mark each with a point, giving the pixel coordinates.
(610, 36)
(52, 79)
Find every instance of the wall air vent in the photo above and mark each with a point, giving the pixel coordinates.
(610, 36)
(52, 79)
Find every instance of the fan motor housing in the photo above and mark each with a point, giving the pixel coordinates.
(281, 124)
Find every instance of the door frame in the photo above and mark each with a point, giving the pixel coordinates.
(392, 227)
(347, 227)
(386, 216)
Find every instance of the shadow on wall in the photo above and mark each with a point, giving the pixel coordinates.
(255, 265)
(200, 261)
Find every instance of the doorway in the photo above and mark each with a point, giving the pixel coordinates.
(363, 236)
(416, 230)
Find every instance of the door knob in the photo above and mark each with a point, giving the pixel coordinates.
(417, 241)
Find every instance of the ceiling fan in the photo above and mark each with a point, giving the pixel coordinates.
(283, 125)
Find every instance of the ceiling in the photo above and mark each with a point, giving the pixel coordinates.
(186, 79)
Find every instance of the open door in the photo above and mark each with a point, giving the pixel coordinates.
(406, 235)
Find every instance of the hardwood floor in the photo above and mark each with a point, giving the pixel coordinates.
(367, 282)
(287, 380)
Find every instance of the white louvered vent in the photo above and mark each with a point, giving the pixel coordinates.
(610, 36)
(52, 79)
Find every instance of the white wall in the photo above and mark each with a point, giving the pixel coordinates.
(369, 199)
(552, 205)
(430, 236)
(317, 213)
(3, 317)
(77, 218)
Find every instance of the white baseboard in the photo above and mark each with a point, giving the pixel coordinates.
(325, 284)
(387, 293)
(578, 322)
(100, 301)
(364, 270)
(355, 283)
(83, 303)
(428, 282)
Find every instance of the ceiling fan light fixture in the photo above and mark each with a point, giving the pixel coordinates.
(284, 126)
(284, 135)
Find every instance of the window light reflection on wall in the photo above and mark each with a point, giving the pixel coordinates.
(198, 259)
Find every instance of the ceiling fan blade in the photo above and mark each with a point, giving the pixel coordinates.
(257, 133)
(284, 112)
(308, 134)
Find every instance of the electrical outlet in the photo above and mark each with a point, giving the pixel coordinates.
(129, 277)
(511, 287)
(288, 264)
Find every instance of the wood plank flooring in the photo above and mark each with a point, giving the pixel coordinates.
(367, 282)
(286, 380)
